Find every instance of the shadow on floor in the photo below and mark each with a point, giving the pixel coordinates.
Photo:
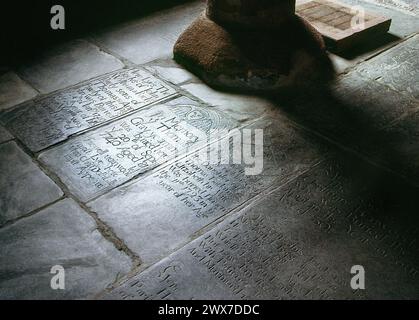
(25, 24)
(390, 196)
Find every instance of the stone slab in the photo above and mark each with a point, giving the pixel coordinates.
(45, 122)
(4, 135)
(109, 156)
(160, 213)
(401, 143)
(68, 64)
(13, 90)
(377, 103)
(403, 25)
(333, 20)
(397, 68)
(241, 107)
(410, 6)
(152, 37)
(300, 242)
(354, 114)
(24, 187)
(62, 234)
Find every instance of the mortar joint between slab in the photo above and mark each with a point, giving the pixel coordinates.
(105, 230)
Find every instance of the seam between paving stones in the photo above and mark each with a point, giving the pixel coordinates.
(31, 213)
(158, 168)
(126, 62)
(105, 230)
(379, 52)
(210, 226)
(358, 154)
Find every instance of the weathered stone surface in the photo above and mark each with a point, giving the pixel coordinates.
(354, 114)
(4, 135)
(58, 68)
(24, 187)
(61, 234)
(185, 196)
(334, 20)
(397, 68)
(300, 241)
(14, 90)
(239, 106)
(411, 6)
(378, 104)
(401, 143)
(170, 71)
(109, 156)
(402, 25)
(150, 38)
(45, 122)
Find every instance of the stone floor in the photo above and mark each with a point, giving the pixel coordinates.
(91, 178)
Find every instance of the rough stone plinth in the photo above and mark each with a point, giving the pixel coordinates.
(231, 49)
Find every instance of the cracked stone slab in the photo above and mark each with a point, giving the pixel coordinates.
(62, 234)
(24, 187)
(397, 68)
(68, 64)
(13, 90)
(42, 123)
(4, 135)
(109, 156)
(165, 210)
(300, 241)
(152, 37)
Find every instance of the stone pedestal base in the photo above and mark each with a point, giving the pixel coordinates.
(254, 60)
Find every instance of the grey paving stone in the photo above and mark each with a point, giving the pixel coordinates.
(300, 241)
(171, 71)
(67, 65)
(378, 104)
(24, 187)
(241, 107)
(151, 37)
(403, 25)
(398, 68)
(4, 135)
(42, 123)
(63, 235)
(13, 90)
(185, 196)
(401, 143)
(109, 156)
(411, 6)
(353, 115)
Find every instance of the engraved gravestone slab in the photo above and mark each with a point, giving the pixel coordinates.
(158, 214)
(299, 241)
(42, 123)
(109, 156)
(334, 21)
(397, 68)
